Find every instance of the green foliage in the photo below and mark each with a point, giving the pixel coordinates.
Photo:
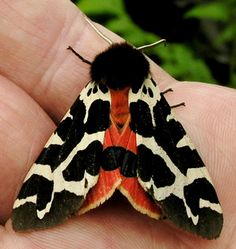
(101, 7)
(112, 14)
(180, 60)
(216, 11)
(183, 64)
(223, 12)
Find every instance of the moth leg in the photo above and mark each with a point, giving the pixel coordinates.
(177, 105)
(167, 90)
(78, 55)
(173, 106)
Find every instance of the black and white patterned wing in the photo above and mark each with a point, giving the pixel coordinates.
(68, 166)
(169, 167)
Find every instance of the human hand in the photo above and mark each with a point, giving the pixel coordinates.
(39, 81)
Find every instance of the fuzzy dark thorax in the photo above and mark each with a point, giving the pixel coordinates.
(119, 66)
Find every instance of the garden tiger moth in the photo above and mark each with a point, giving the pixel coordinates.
(119, 134)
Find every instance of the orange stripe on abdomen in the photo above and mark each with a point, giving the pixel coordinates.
(119, 106)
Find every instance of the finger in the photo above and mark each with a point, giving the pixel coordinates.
(24, 130)
(117, 225)
(32, 48)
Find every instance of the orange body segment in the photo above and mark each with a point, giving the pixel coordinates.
(120, 134)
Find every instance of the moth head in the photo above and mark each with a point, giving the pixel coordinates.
(119, 66)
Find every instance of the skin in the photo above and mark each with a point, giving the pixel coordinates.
(39, 81)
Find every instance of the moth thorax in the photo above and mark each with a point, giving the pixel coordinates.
(119, 66)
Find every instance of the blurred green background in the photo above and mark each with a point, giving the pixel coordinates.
(201, 34)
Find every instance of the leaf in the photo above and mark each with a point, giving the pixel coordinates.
(130, 31)
(233, 80)
(101, 7)
(227, 35)
(179, 61)
(216, 11)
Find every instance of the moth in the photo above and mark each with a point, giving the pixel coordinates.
(120, 134)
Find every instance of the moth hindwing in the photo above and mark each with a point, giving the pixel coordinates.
(120, 134)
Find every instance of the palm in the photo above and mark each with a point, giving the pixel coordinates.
(39, 81)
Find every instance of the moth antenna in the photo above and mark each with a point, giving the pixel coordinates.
(98, 31)
(78, 55)
(152, 44)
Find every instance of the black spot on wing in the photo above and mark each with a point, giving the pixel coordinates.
(78, 109)
(48, 156)
(89, 92)
(35, 184)
(168, 133)
(95, 89)
(40, 186)
(200, 188)
(141, 119)
(208, 226)
(144, 89)
(63, 128)
(98, 118)
(153, 82)
(64, 205)
(88, 159)
(118, 157)
(44, 195)
(153, 166)
(150, 92)
(85, 183)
